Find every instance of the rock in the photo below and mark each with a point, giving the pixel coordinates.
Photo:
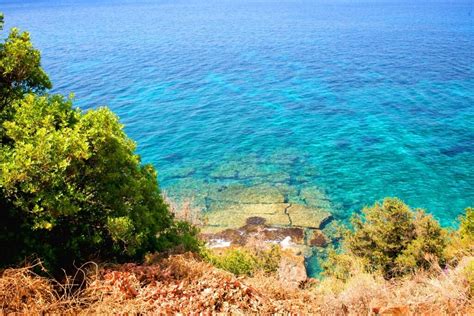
(278, 234)
(225, 171)
(244, 194)
(279, 177)
(303, 216)
(254, 171)
(218, 243)
(292, 271)
(317, 239)
(234, 215)
(314, 197)
(284, 157)
(310, 171)
(189, 189)
(182, 172)
(255, 220)
(257, 233)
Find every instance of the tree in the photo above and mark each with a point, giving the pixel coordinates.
(20, 69)
(72, 187)
(20, 72)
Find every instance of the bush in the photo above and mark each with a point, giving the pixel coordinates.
(244, 261)
(466, 227)
(392, 239)
(72, 188)
(462, 241)
(20, 70)
(341, 266)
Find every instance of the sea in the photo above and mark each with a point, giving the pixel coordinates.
(360, 99)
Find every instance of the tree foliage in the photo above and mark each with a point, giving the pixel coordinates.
(20, 70)
(392, 239)
(72, 187)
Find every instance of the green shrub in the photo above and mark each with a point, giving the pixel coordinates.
(341, 266)
(72, 188)
(392, 239)
(461, 242)
(466, 227)
(20, 70)
(244, 261)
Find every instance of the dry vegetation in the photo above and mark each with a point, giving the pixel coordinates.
(184, 210)
(185, 284)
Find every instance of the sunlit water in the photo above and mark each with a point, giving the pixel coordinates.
(362, 99)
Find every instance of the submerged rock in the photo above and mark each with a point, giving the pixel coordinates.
(235, 215)
(225, 171)
(245, 194)
(315, 197)
(182, 172)
(232, 206)
(317, 238)
(304, 216)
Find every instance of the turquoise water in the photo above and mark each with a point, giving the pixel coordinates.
(361, 99)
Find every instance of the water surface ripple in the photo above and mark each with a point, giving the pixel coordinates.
(361, 99)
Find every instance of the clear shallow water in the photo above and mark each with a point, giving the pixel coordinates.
(363, 100)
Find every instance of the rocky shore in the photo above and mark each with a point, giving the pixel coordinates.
(244, 216)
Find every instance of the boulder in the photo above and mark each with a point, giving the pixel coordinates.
(292, 271)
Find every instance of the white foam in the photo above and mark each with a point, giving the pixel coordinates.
(218, 243)
(286, 243)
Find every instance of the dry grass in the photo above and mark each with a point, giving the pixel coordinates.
(184, 284)
(23, 291)
(440, 292)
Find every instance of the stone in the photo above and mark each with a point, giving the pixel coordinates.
(234, 215)
(244, 194)
(314, 197)
(280, 177)
(228, 170)
(254, 171)
(278, 234)
(317, 238)
(284, 157)
(310, 171)
(182, 172)
(292, 271)
(257, 234)
(304, 216)
(255, 220)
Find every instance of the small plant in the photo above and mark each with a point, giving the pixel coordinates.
(243, 261)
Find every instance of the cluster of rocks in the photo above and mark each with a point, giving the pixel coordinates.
(249, 216)
(234, 214)
(248, 202)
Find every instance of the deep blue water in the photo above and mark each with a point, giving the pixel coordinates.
(361, 99)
